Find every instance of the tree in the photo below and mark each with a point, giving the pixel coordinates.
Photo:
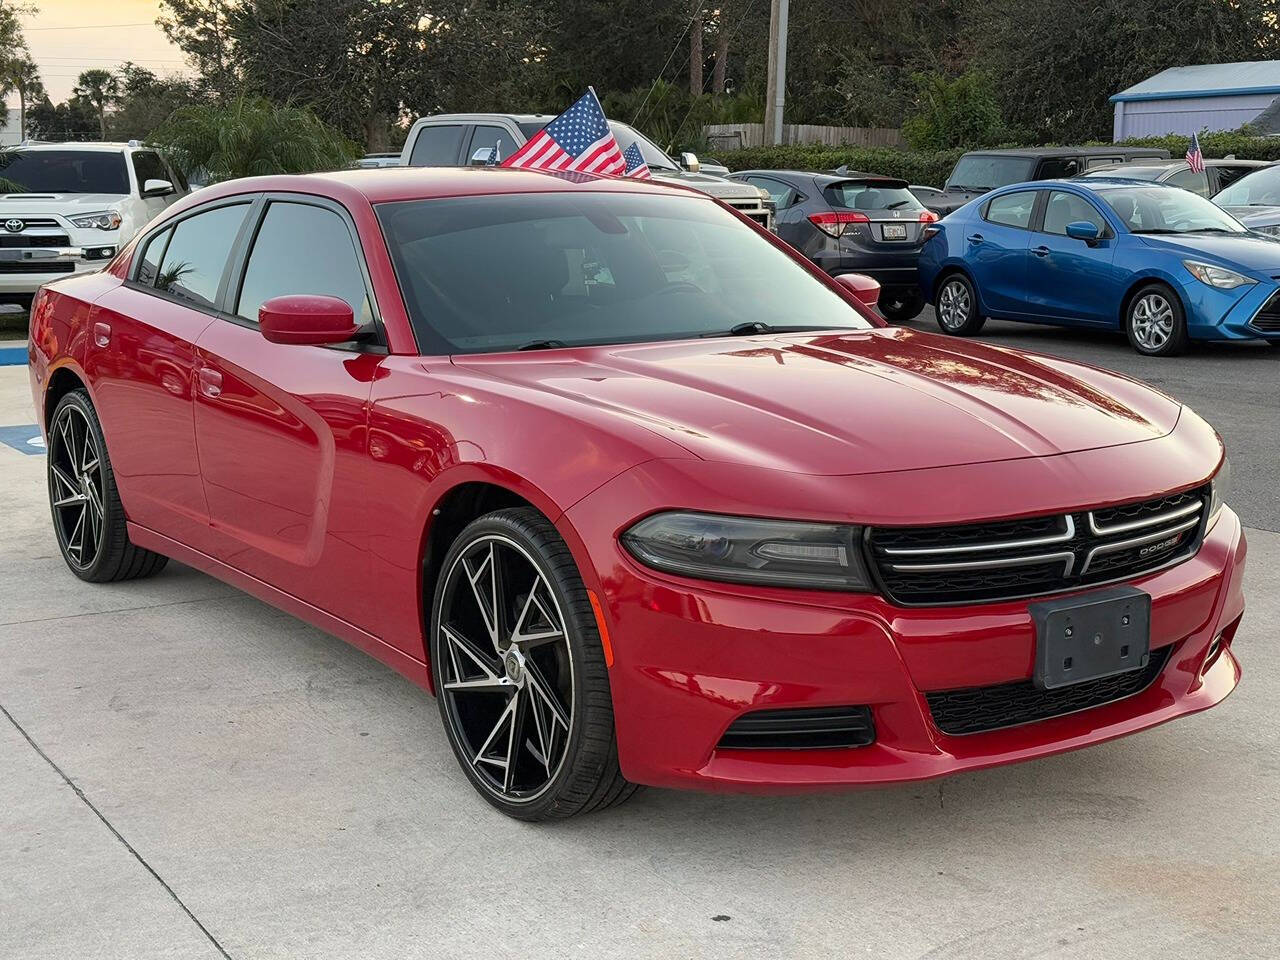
(201, 29)
(73, 120)
(953, 113)
(98, 87)
(21, 75)
(696, 28)
(250, 136)
(144, 101)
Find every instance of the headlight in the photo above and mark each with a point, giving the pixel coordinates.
(1219, 490)
(1270, 230)
(780, 553)
(106, 220)
(1216, 276)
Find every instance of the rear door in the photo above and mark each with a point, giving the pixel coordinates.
(282, 429)
(1070, 279)
(996, 244)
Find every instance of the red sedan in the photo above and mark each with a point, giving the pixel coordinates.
(641, 495)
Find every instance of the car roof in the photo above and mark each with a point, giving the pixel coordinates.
(1157, 162)
(96, 146)
(543, 118)
(1087, 184)
(1103, 151)
(823, 177)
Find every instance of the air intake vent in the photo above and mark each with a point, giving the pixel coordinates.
(804, 728)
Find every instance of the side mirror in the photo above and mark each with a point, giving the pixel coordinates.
(861, 286)
(157, 188)
(482, 156)
(305, 318)
(1083, 230)
(690, 162)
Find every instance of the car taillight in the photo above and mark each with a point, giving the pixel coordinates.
(833, 223)
(928, 216)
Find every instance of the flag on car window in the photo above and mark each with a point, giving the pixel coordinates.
(495, 154)
(579, 139)
(636, 167)
(1195, 159)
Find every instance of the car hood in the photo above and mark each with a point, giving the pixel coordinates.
(1248, 250)
(12, 204)
(1255, 216)
(850, 402)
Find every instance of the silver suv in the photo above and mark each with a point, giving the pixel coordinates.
(467, 139)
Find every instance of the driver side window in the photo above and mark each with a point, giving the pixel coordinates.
(1064, 208)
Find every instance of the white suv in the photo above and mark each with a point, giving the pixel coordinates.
(68, 207)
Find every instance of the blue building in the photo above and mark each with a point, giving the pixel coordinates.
(1217, 96)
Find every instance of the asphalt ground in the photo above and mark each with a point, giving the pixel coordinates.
(187, 772)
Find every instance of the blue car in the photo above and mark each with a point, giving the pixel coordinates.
(1157, 261)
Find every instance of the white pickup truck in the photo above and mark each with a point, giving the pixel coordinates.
(468, 139)
(68, 207)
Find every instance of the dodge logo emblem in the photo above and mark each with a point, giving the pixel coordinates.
(14, 226)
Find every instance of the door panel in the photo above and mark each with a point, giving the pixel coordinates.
(1067, 279)
(996, 251)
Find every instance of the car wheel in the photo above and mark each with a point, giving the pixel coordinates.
(88, 518)
(519, 671)
(1155, 322)
(957, 309)
(900, 306)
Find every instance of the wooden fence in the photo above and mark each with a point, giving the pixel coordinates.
(732, 136)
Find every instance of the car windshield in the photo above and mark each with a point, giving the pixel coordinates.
(976, 171)
(494, 273)
(1168, 210)
(653, 155)
(62, 171)
(1259, 189)
(871, 195)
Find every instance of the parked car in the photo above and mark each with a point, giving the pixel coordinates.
(979, 171)
(1254, 200)
(1160, 263)
(852, 223)
(639, 492)
(1216, 176)
(68, 207)
(468, 139)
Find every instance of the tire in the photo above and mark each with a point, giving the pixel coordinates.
(546, 693)
(88, 518)
(1155, 321)
(957, 306)
(899, 306)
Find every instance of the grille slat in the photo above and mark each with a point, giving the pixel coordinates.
(801, 728)
(10, 240)
(980, 709)
(1267, 319)
(37, 266)
(1013, 559)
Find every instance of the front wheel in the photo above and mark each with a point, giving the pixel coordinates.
(899, 306)
(1156, 322)
(519, 671)
(957, 309)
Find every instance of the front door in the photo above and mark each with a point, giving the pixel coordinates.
(1070, 279)
(282, 429)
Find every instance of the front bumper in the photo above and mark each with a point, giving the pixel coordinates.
(1214, 314)
(691, 657)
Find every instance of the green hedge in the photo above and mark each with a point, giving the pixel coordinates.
(1242, 145)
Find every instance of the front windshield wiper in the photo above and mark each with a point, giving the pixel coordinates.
(542, 345)
(752, 327)
(1210, 230)
(1157, 230)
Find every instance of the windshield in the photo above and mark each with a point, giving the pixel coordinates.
(977, 171)
(1259, 189)
(653, 155)
(1168, 210)
(62, 171)
(494, 273)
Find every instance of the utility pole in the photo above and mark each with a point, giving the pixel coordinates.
(777, 83)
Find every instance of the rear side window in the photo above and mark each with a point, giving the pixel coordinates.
(1062, 168)
(1229, 175)
(1012, 209)
(1064, 208)
(437, 146)
(871, 195)
(147, 166)
(1195, 182)
(782, 194)
(301, 248)
(150, 267)
(196, 255)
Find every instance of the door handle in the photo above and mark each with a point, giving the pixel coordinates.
(1040, 251)
(975, 238)
(210, 382)
(101, 333)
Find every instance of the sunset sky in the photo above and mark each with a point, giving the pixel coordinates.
(68, 36)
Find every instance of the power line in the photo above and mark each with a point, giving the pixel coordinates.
(679, 41)
(91, 26)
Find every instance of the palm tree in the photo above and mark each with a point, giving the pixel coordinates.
(23, 78)
(99, 87)
(249, 137)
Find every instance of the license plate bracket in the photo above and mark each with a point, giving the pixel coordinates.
(894, 231)
(1091, 636)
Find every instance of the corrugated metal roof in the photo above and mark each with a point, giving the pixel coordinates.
(1207, 80)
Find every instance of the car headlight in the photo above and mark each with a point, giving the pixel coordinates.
(780, 553)
(1270, 230)
(1218, 277)
(106, 220)
(1219, 489)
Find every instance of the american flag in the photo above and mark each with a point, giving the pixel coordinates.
(636, 167)
(1195, 159)
(579, 139)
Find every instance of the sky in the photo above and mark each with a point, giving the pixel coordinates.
(66, 37)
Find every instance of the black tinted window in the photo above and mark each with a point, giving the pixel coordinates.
(150, 265)
(302, 248)
(437, 146)
(782, 194)
(197, 254)
(147, 166)
(64, 171)
(486, 137)
(1012, 209)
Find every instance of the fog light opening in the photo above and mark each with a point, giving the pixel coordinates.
(1221, 642)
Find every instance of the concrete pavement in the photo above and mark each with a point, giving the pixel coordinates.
(187, 772)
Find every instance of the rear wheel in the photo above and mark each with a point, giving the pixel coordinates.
(957, 309)
(1155, 322)
(899, 306)
(88, 518)
(519, 671)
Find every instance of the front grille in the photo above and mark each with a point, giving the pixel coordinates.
(753, 209)
(29, 222)
(12, 240)
(1012, 559)
(1267, 319)
(979, 709)
(802, 728)
(37, 266)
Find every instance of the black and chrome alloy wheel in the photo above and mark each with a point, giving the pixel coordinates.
(519, 671)
(75, 487)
